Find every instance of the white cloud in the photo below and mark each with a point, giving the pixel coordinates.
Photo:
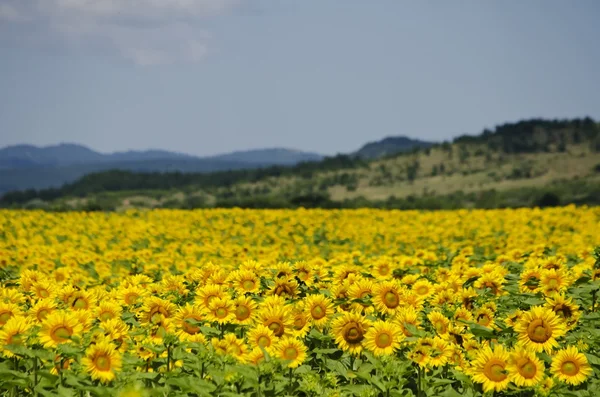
(146, 32)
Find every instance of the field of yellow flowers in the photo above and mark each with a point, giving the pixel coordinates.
(306, 302)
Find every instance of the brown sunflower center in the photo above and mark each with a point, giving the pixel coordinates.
(61, 334)
(131, 298)
(42, 314)
(569, 368)
(563, 310)
(527, 368)
(383, 340)
(16, 339)
(302, 274)
(353, 333)
(552, 283)
(102, 363)
(242, 312)
(391, 299)
(299, 322)
(422, 290)
(384, 269)
(538, 331)
(317, 312)
(43, 293)
(188, 325)
(494, 371)
(276, 326)
(290, 353)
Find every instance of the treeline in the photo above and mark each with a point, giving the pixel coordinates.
(537, 135)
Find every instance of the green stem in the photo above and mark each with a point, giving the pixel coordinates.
(168, 358)
(594, 301)
(291, 377)
(35, 375)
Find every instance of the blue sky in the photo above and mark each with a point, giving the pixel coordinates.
(212, 76)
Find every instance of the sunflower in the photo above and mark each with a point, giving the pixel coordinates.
(467, 297)
(443, 297)
(188, 321)
(493, 281)
(383, 338)
(305, 272)
(8, 310)
(255, 356)
(463, 315)
(43, 289)
(423, 288)
(291, 350)
(530, 280)
(383, 268)
(490, 368)
(14, 332)
(407, 316)
(174, 283)
(439, 322)
(261, 336)
(349, 330)
(485, 316)
(101, 361)
(284, 287)
(553, 281)
(154, 309)
(318, 308)
(565, 308)
(132, 295)
(206, 294)
(539, 328)
(570, 366)
(10, 295)
(116, 331)
(513, 318)
(58, 327)
(108, 310)
(440, 352)
(221, 310)
(245, 310)
(236, 347)
(301, 325)
(41, 310)
(524, 368)
(387, 297)
(245, 281)
(277, 319)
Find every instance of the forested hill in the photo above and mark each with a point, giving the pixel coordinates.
(533, 154)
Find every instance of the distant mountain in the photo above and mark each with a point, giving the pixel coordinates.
(278, 156)
(32, 167)
(390, 146)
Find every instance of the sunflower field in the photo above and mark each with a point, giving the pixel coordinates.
(300, 302)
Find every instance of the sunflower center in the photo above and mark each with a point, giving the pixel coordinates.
(106, 316)
(42, 314)
(384, 269)
(16, 339)
(156, 318)
(317, 312)
(299, 322)
(569, 368)
(61, 334)
(242, 312)
(4, 317)
(43, 293)
(553, 283)
(290, 353)
(383, 340)
(188, 327)
(564, 311)
(131, 298)
(302, 274)
(277, 327)
(353, 333)
(221, 312)
(391, 299)
(527, 369)
(538, 331)
(248, 284)
(483, 319)
(422, 290)
(102, 363)
(263, 341)
(80, 304)
(495, 371)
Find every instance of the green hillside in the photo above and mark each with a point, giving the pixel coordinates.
(532, 162)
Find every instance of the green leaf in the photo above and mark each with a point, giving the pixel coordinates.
(481, 331)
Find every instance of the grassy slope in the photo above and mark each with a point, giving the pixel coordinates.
(479, 171)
